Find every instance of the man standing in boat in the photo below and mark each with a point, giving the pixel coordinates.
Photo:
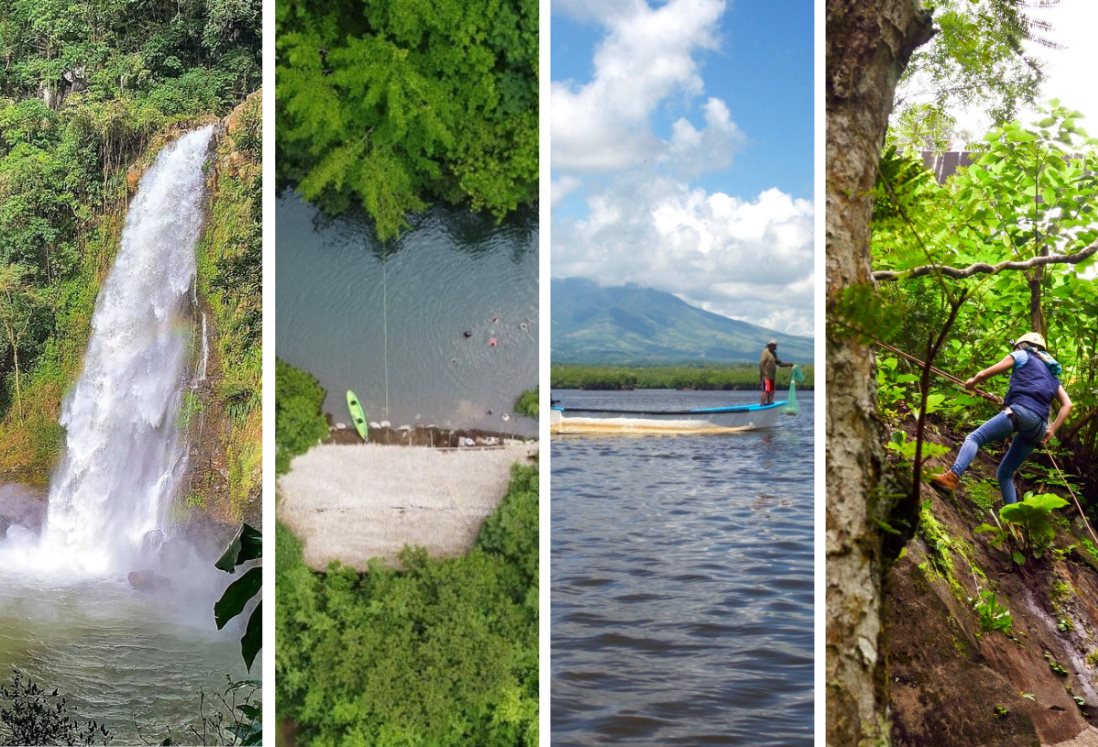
(768, 367)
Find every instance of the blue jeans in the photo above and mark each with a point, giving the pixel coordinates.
(1030, 431)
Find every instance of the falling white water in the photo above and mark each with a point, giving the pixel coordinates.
(124, 453)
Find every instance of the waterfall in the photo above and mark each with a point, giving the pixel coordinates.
(124, 452)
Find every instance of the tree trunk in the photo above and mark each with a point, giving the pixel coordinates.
(14, 342)
(1036, 316)
(868, 45)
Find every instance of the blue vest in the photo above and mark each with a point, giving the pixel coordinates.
(1032, 384)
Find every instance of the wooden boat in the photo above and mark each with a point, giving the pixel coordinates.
(731, 418)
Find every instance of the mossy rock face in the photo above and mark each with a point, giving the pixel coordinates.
(952, 684)
(223, 416)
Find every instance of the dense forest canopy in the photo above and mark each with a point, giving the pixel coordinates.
(1027, 199)
(83, 87)
(395, 105)
(441, 651)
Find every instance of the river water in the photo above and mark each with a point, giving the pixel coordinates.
(682, 581)
(347, 302)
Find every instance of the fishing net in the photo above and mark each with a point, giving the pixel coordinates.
(796, 377)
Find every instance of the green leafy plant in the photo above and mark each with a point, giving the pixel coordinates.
(527, 403)
(246, 547)
(905, 447)
(1033, 515)
(1054, 665)
(993, 616)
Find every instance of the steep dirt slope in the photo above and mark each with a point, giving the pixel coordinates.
(950, 683)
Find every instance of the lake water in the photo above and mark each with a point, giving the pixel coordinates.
(345, 302)
(132, 661)
(682, 581)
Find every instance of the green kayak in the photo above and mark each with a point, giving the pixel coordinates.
(357, 414)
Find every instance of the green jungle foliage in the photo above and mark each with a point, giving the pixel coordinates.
(230, 275)
(977, 60)
(614, 378)
(1029, 194)
(527, 403)
(84, 87)
(299, 416)
(395, 104)
(439, 652)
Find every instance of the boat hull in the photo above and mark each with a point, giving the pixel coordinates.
(701, 420)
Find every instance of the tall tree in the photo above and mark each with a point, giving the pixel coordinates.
(868, 44)
(18, 300)
(977, 60)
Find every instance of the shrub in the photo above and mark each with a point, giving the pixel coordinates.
(299, 421)
(32, 715)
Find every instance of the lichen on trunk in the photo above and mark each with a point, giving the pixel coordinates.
(868, 44)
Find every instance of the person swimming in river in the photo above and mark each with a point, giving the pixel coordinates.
(1034, 382)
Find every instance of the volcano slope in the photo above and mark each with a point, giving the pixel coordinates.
(952, 681)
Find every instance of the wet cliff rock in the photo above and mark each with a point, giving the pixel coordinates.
(1034, 680)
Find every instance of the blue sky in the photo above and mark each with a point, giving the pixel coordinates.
(683, 151)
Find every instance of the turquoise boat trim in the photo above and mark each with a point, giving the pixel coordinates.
(696, 411)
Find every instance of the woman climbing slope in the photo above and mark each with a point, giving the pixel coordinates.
(1033, 383)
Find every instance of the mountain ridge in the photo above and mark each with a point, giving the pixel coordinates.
(632, 324)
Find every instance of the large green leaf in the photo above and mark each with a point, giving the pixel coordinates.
(247, 545)
(237, 596)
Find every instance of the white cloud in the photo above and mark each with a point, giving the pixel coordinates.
(646, 57)
(561, 187)
(752, 260)
(742, 258)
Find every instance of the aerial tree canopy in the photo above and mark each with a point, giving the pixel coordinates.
(395, 105)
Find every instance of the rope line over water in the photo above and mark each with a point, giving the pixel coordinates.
(385, 323)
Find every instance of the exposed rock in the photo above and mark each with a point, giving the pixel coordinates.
(951, 683)
(148, 580)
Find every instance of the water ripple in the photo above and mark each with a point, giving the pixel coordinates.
(682, 584)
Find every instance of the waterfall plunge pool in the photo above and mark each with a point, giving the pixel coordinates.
(133, 661)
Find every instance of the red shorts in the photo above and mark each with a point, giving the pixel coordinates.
(768, 386)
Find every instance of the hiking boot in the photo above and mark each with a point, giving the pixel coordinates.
(946, 481)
